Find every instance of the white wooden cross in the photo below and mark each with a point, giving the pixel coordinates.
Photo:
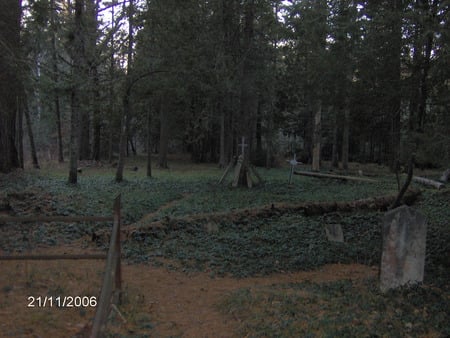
(293, 163)
(242, 145)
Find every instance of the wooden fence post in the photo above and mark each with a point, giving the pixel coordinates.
(112, 282)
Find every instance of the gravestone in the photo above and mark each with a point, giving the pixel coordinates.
(404, 240)
(334, 233)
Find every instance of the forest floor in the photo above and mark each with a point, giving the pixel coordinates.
(276, 276)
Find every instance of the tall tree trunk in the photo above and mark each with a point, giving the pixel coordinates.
(335, 152)
(132, 145)
(424, 77)
(93, 56)
(149, 143)
(394, 81)
(346, 137)
(269, 137)
(163, 134)
(415, 80)
(317, 137)
(249, 99)
(110, 143)
(123, 139)
(97, 119)
(84, 140)
(19, 137)
(126, 104)
(74, 134)
(31, 138)
(59, 129)
(56, 81)
(259, 130)
(222, 160)
(111, 93)
(10, 83)
(77, 82)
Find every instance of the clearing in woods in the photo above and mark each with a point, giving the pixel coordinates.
(207, 277)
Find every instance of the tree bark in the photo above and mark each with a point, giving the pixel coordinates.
(317, 137)
(74, 134)
(163, 134)
(126, 104)
(31, 139)
(10, 83)
(394, 81)
(346, 138)
(111, 93)
(123, 139)
(430, 14)
(56, 82)
(97, 119)
(19, 137)
(84, 139)
(248, 96)
(222, 159)
(335, 153)
(149, 143)
(77, 82)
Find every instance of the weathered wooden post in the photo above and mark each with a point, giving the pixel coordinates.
(112, 280)
(404, 240)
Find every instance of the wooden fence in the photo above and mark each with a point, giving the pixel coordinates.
(112, 281)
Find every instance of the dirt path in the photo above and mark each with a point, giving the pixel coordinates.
(157, 301)
(149, 217)
(185, 305)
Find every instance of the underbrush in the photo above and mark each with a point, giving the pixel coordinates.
(260, 247)
(250, 246)
(338, 309)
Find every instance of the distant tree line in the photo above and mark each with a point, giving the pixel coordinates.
(353, 80)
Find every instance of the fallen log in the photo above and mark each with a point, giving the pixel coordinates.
(427, 181)
(381, 203)
(332, 176)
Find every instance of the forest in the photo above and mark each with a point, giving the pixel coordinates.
(340, 81)
(224, 168)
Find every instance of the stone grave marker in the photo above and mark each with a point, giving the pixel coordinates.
(334, 233)
(404, 239)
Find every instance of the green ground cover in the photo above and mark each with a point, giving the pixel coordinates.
(339, 309)
(281, 243)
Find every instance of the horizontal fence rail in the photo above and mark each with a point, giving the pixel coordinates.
(112, 282)
(50, 257)
(63, 219)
